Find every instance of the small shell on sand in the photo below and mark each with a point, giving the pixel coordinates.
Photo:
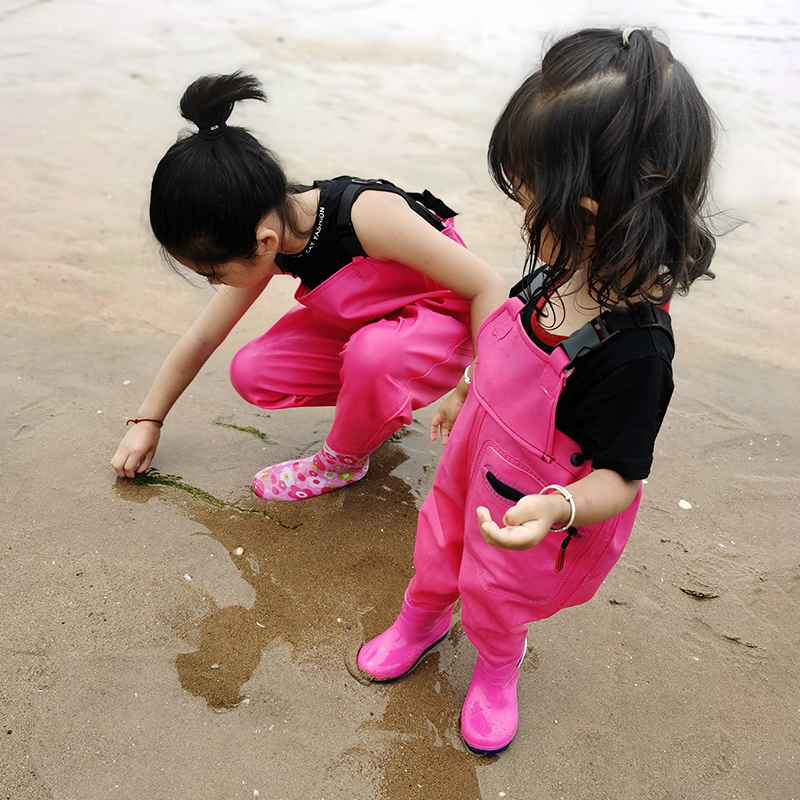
(684, 504)
(239, 551)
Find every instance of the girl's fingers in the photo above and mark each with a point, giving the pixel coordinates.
(483, 515)
(488, 527)
(529, 509)
(120, 467)
(440, 425)
(128, 468)
(509, 537)
(516, 538)
(143, 464)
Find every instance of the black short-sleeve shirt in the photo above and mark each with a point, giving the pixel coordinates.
(615, 400)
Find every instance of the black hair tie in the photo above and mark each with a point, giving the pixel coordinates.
(214, 132)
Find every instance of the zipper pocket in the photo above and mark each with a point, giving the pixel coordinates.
(503, 489)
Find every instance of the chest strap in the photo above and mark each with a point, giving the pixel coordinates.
(609, 324)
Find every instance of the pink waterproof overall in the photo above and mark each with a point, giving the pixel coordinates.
(507, 429)
(377, 339)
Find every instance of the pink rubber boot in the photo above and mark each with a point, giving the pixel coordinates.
(399, 649)
(489, 716)
(310, 477)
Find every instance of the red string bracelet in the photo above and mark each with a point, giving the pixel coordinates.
(134, 421)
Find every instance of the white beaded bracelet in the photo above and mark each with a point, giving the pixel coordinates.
(569, 498)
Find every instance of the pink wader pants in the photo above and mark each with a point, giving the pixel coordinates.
(377, 340)
(507, 428)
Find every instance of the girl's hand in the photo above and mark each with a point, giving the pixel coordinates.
(446, 414)
(526, 523)
(136, 450)
(602, 494)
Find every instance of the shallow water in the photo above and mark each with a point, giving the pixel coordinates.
(405, 90)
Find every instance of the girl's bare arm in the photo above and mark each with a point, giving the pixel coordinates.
(388, 229)
(179, 369)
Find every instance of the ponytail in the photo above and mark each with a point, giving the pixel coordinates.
(209, 101)
(657, 152)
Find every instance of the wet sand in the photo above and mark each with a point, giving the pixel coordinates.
(143, 657)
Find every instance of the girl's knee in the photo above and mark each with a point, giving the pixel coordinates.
(249, 380)
(367, 356)
(241, 374)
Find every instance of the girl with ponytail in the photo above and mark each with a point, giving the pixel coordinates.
(607, 148)
(389, 299)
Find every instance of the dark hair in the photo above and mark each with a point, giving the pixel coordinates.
(212, 188)
(623, 123)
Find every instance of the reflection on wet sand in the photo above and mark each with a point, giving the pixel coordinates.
(307, 572)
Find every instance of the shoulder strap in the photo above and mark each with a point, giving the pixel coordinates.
(600, 330)
(432, 203)
(426, 205)
(344, 225)
(529, 286)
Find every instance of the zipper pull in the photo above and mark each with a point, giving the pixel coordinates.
(563, 551)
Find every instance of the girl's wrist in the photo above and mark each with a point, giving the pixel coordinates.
(137, 420)
(563, 505)
(462, 387)
(558, 510)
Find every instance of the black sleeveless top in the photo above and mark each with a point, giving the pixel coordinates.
(333, 243)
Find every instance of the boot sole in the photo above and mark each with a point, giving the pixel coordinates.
(478, 752)
(415, 664)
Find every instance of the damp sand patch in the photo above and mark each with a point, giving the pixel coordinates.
(340, 568)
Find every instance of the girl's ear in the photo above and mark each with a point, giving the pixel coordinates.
(268, 240)
(591, 207)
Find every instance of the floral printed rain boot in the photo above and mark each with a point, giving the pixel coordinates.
(309, 477)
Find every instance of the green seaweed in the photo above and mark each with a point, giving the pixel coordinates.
(248, 429)
(154, 478)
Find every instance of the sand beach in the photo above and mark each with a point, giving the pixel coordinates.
(182, 641)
